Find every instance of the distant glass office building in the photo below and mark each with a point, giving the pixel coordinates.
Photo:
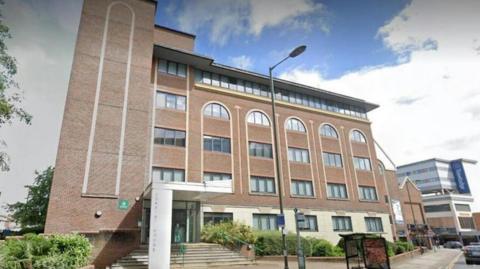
(448, 189)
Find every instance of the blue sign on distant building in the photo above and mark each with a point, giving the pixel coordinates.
(460, 177)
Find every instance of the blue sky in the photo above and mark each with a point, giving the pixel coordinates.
(342, 36)
(418, 59)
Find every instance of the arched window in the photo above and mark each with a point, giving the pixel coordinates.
(381, 168)
(357, 136)
(216, 110)
(295, 125)
(257, 117)
(328, 131)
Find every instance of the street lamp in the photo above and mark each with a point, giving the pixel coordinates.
(294, 53)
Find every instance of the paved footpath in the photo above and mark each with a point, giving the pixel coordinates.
(442, 259)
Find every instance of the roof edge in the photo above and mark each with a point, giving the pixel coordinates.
(438, 160)
(175, 30)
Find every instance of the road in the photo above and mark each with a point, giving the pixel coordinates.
(460, 264)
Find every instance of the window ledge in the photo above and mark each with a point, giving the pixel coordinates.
(369, 201)
(303, 197)
(169, 146)
(97, 195)
(171, 109)
(337, 199)
(261, 158)
(218, 152)
(263, 194)
(301, 163)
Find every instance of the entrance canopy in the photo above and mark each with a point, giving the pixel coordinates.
(187, 191)
(162, 211)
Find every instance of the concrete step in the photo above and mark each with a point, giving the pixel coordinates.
(202, 255)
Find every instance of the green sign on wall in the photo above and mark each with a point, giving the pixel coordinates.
(123, 204)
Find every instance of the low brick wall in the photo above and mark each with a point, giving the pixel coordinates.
(393, 259)
(405, 256)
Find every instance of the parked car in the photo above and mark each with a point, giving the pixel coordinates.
(453, 244)
(472, 253)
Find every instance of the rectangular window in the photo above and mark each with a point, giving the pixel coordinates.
(463, 207)
(172, 68)
(168, 174)
(466, 223)
(209, 176)
(217, 144)
(262, 184)
(332, 159)
(260, 149)
(215, 218)
(302, 188)
(367, 193)
(171, 101)
(310, 224)
(338, 191)
(163, 136)
(437, 208)
(362, 163)
(265, 222)
(342, 224)
(374, 224)
(298, 155)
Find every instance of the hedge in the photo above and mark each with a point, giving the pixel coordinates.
(228, 234)
(270, 243)
(45, 252)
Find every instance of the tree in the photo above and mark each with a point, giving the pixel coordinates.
(33, 212)
(10, 102)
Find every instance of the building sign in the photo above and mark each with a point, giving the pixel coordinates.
(397, 211)
(123, 204)
(281, 221)
(459, 176)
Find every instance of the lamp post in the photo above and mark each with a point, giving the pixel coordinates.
(297, 51)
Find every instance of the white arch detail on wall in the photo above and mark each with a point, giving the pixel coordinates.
(97, 98)
(360, 131)
(349, 189)
(273, 148)
(372, 166)
(231, 139)
(309, 153)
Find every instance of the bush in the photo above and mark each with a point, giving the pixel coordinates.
(270, 243)
(45, 252)
(402, 246)
(228, 234)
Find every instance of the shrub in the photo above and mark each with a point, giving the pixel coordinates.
(44, 252)
(270, 243)
(402, 246)
(228, 234)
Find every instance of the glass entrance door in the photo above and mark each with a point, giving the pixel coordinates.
(185, 222)
(179, 226)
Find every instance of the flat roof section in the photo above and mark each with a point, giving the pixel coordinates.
(208, 64)
(437, 160)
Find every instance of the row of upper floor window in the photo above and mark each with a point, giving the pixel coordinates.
(418, 171)
(269, 222)
(172, 137)
(216, 110)
(257, 89)
(267, 185)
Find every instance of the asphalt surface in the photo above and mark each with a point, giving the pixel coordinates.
(460, 264)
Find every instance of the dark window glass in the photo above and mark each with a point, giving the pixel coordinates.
(342, 224)
(163, 136)
(218, 144)
(260, 150)
(215, 218)
(265, 222)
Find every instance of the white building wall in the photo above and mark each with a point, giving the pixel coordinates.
(472, 172)
(324, 220)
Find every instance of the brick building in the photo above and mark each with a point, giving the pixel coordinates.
(157, 140)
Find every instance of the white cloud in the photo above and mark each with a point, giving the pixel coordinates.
(430, 102)
(43, 42)
(242, 62)
(225, 20)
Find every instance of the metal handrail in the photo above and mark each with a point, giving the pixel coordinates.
(226, 236)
